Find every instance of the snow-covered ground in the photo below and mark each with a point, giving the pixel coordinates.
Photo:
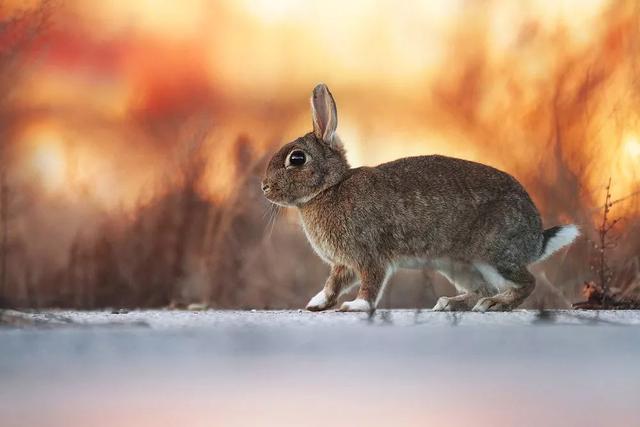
(163, 319)
(236, 368)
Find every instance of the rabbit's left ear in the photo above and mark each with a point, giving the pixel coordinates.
(325, 114)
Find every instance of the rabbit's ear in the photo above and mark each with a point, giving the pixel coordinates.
(325, 114)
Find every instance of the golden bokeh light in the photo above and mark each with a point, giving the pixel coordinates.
(47, 159)
(632, 147)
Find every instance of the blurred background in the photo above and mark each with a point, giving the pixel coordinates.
(133, 136)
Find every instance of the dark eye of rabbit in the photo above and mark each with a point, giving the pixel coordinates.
(297, 158)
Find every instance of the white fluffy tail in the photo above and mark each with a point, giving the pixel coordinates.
(556, 238)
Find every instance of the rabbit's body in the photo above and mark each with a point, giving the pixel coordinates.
(424, 208)
(473, 223)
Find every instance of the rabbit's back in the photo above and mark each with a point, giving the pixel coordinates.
(457, 181)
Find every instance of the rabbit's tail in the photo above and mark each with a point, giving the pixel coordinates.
(556, 238)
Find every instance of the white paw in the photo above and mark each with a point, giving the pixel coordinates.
(443, 304)
(356, 305)
(490, 304)
(318, 302)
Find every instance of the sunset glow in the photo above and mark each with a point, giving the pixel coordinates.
(48, 161)
(448, 78)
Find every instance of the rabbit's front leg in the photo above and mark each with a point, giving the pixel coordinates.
(340, 280)
(373, 280)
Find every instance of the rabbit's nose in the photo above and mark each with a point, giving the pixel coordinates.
(265, 187)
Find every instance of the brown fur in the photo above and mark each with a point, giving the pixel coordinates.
(366, 221)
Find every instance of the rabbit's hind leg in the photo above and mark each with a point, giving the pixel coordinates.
(462, 302)
(468, 282)
(515, 284)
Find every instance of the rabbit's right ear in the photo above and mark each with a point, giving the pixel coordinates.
(325, 114)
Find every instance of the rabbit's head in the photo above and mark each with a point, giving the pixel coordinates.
(303, 168)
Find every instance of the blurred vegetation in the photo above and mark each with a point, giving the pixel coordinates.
(181, 244)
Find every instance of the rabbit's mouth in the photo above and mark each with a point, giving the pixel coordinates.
(271, 194)
(280, 201)
(277, 198)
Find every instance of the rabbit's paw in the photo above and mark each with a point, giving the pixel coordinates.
(491, 304)
(319, 302)
(450, 304)
(358, 304)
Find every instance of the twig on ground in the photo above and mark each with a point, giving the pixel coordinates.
(598, 292)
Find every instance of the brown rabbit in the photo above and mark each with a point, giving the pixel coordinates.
(474, 224)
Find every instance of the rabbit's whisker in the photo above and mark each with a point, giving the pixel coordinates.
(274, 218)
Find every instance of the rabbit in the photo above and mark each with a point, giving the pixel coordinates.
(474, 224)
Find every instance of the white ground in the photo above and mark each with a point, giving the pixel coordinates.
(233, 368)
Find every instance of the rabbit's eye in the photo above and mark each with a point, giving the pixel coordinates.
(297, 158)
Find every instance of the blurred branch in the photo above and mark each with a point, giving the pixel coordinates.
(614, 202)
(18, 31)
(554, 290)
(4, 231)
